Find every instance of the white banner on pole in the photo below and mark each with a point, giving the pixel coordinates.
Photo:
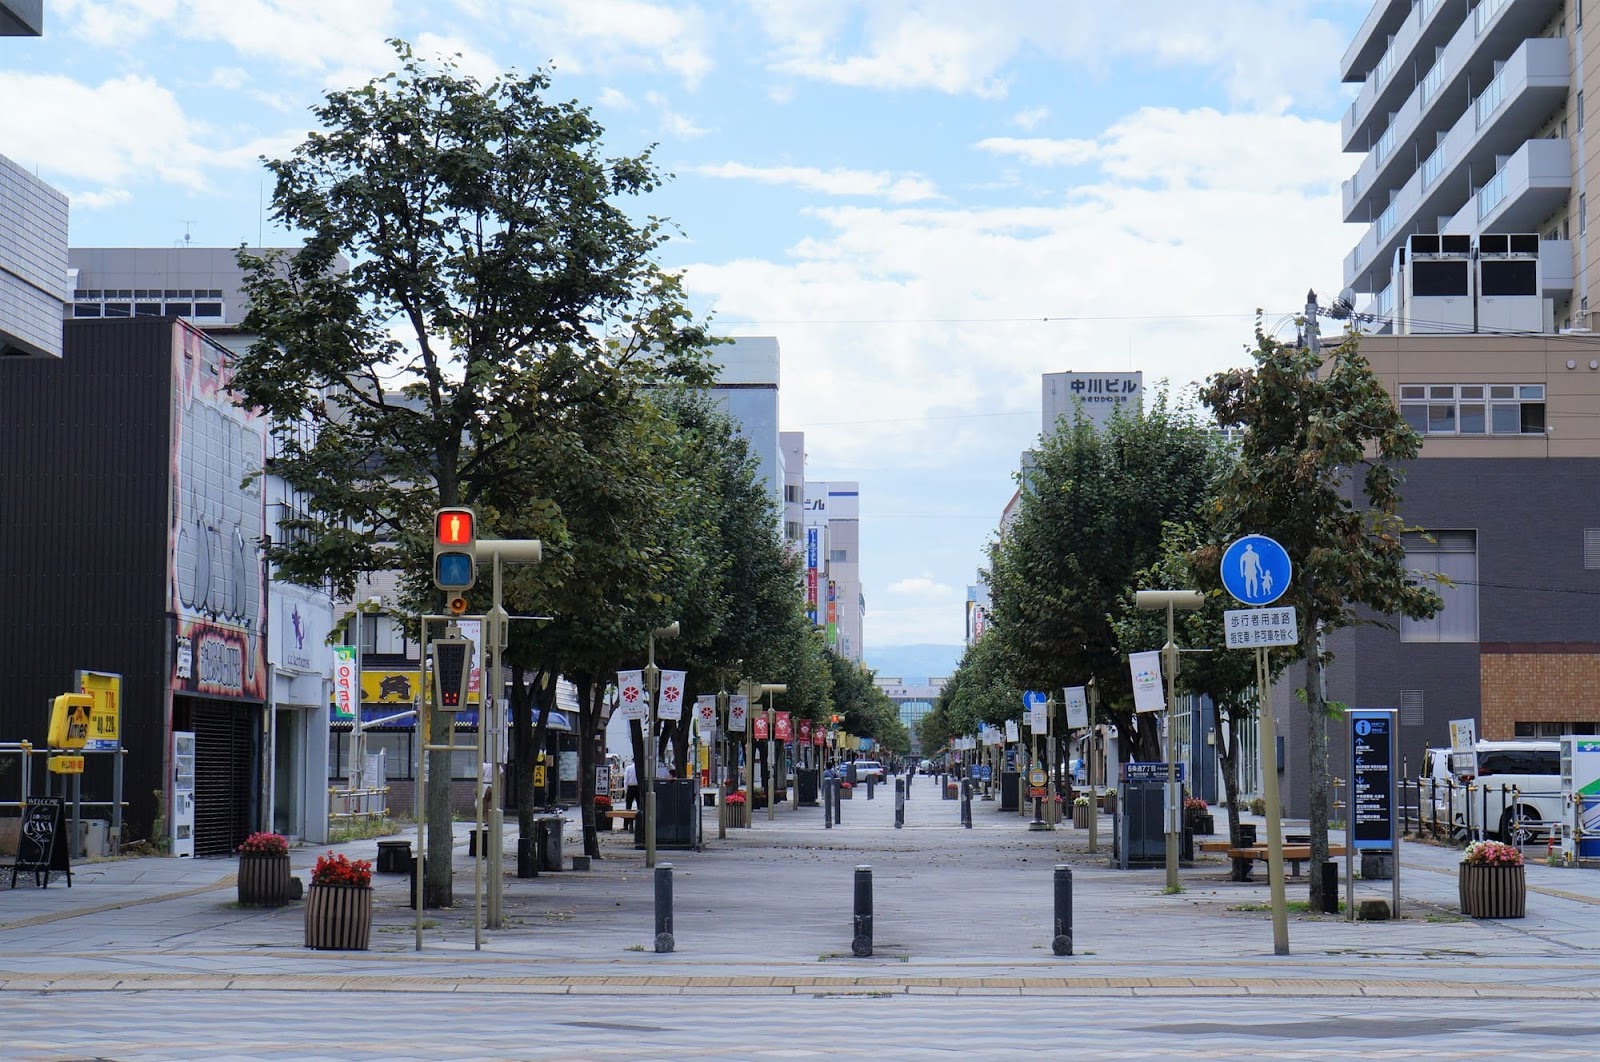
(669, 701)
(705, 710)
(1146, 669)
(738, 708)
(1013, 731)
(1039, 719)
(630, 694)
(1077, 707)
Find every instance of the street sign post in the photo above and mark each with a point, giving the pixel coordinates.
(1256, 571)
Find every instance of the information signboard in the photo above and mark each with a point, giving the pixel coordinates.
(1372, 778)
(1253, 628)
(41, 841)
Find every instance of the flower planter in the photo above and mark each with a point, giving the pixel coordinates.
(1202, 823)
(1493, 891)
(846, 794)
(1080, 816)
(338, 917)
(736, 816)
(603, 820)
(263, 880)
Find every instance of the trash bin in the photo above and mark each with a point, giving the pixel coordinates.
(1247, 834)
(527, 857)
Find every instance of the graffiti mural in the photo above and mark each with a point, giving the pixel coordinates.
(216, 579)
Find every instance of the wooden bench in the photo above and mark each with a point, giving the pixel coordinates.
(624, 816)
(1293, 854)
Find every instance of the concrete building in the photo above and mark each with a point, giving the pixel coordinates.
(832, 564)
(33, 262)
(21, 18)
(1475, 269)
(746, 388)
(1471, 123)
(913, 703)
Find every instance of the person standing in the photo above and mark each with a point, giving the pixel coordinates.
(630, 782)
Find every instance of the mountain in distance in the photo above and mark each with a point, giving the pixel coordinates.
(914, 664)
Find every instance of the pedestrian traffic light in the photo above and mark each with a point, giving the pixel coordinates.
(455, 548)
(452, 663)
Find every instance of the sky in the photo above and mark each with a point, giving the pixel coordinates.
(930, 203)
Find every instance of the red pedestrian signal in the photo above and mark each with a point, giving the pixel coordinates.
(455, 549)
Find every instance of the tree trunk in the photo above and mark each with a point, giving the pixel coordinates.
(528, 737)
(591, 698)
(1317, 708)
(1228, 736)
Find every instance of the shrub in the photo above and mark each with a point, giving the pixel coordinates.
(1258, 806)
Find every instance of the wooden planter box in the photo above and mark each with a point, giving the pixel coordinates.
(1493, 892)
(1080, 816)
(846, 794)
(338, 917)
(737, 816)
(263, 880)
(602, 820)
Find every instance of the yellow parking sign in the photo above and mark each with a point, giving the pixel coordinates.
(105, 717)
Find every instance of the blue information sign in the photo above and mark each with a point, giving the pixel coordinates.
(1372, 778)
(1033, 699)
(1256, 570)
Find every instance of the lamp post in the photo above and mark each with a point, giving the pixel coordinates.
(722, 765)
(770, 688)
(1171, 600)
(652, 680)
(1093, 697)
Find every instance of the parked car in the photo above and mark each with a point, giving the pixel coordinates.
(1511, 789)
(867, 769)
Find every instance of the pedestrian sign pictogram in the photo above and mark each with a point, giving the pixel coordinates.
(1256, 570)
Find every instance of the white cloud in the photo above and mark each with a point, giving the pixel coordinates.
(962, 48)
(1038, 151)
(677, 124)
(101, 199)
(896, 189)
(610, 36)
(228, 77)
(1030, 117)
(924, 588)
(615, 99)
(140, 130)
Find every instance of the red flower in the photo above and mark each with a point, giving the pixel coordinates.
(334, 869)
(265, 844)
(735, 798)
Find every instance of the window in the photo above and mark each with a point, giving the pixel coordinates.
(208, 309)
(1474, 409)
(1454, 555)
(118, 309)
(791, 494)
(147, 309)
(86, 309)
(838, 556)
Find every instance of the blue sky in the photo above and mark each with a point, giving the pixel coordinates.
(929, 202)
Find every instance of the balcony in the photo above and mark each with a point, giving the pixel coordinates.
(1530, 85)
(1397, 68)
(1372, 38)
(1532, 185)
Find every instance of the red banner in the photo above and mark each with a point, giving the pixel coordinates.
(785, 729)
(761, 727)
(819, 736)
(805, 731)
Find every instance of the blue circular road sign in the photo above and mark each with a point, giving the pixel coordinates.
(1256, 570)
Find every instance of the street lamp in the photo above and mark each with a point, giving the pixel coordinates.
(770, 688)
(1171, 600)
(652, 680)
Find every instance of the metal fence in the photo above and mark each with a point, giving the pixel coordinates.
(1468, 811)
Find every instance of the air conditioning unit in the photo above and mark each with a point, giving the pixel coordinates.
(1436, 285)
(1507, 280)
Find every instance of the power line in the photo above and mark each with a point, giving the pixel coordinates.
(1042, 319)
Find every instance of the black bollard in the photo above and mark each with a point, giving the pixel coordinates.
(899, 802)
(664, 941)
(838, 801)
(872, 780)
(861, 942)
(1062, 943)
(827, 803)
(966, 802)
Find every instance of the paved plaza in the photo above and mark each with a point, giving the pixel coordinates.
(153, 958)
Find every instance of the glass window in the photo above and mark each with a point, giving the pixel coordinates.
(1472, 419)
(1441, 392)
(208, 309)
(147, 309)
(1414, 391)
(1441, 419)
(1416, 416)
(180, 309)
(1454, 555)
(86, 309)
(118, 309)
(1507, 419)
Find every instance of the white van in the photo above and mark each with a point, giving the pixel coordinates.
(1521, 782)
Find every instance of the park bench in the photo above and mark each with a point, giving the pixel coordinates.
(1293, 854)
(623, 816)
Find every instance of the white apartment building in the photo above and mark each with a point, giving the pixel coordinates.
(1473, 185)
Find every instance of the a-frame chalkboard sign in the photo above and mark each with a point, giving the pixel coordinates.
(42, 844)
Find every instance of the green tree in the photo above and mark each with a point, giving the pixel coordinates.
(492, 280)
(1092, 512)
(1318, 471)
